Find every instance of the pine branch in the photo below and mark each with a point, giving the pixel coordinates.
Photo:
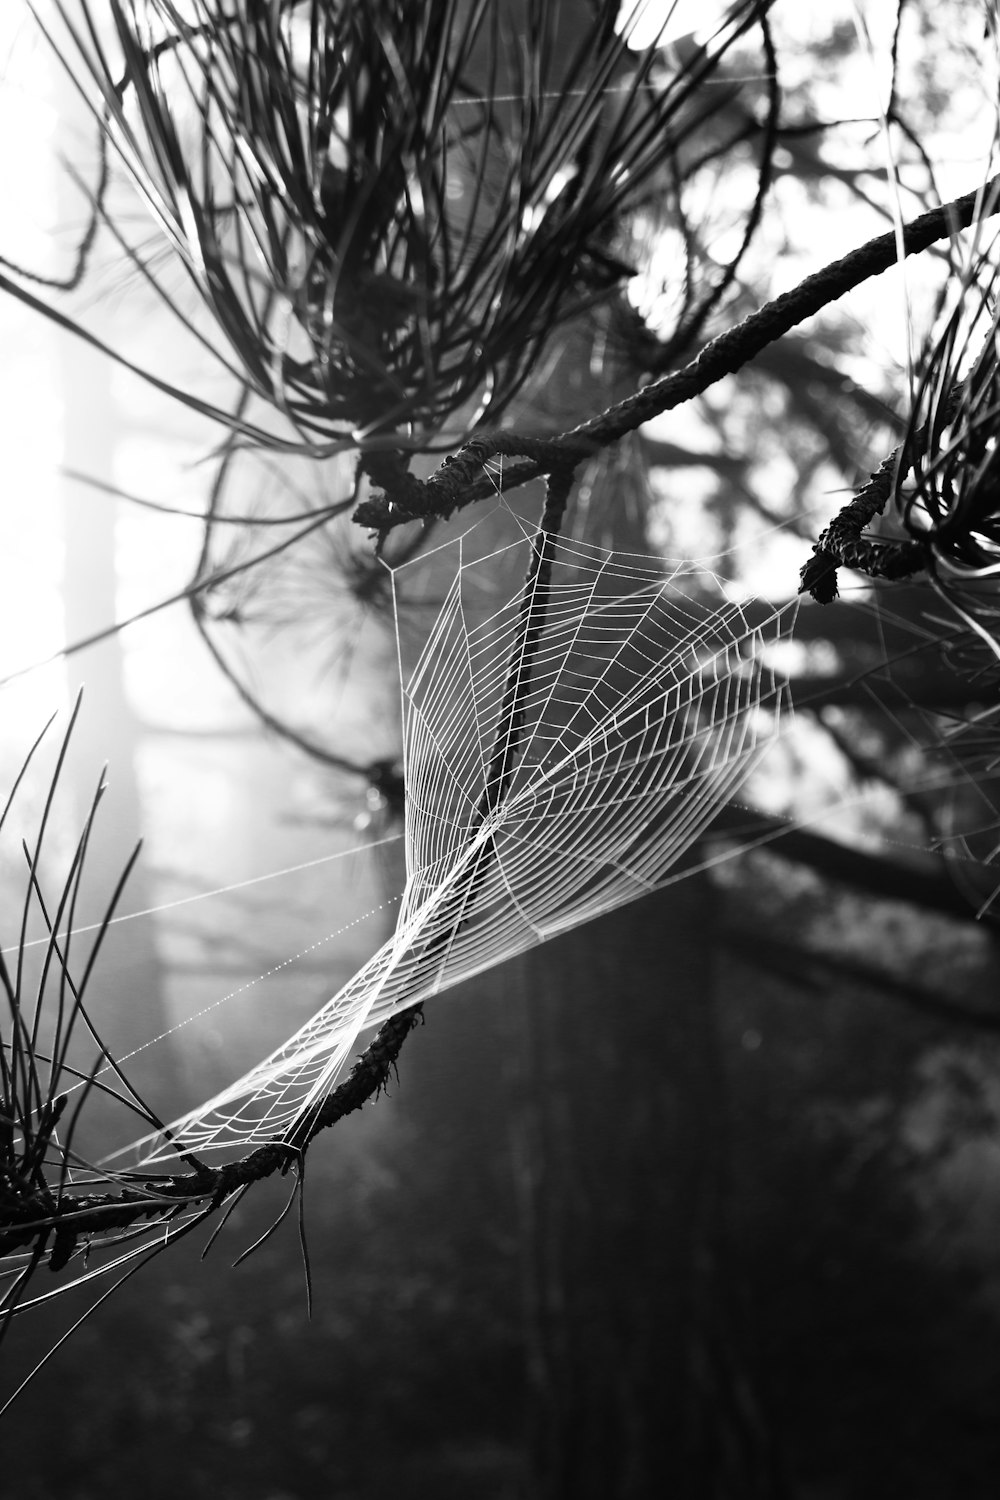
(460, 480)
(35, 1217)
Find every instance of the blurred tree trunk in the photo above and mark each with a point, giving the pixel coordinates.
(571, 1135)
(616, 1151)
(569, 1123)
(131, 1006)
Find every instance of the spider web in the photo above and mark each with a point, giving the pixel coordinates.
(563, 749)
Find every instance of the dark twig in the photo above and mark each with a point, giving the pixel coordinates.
(843, 545)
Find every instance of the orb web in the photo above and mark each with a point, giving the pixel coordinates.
(565, 744)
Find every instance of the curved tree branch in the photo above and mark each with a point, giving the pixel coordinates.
(69, 1218)
(460, 480)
